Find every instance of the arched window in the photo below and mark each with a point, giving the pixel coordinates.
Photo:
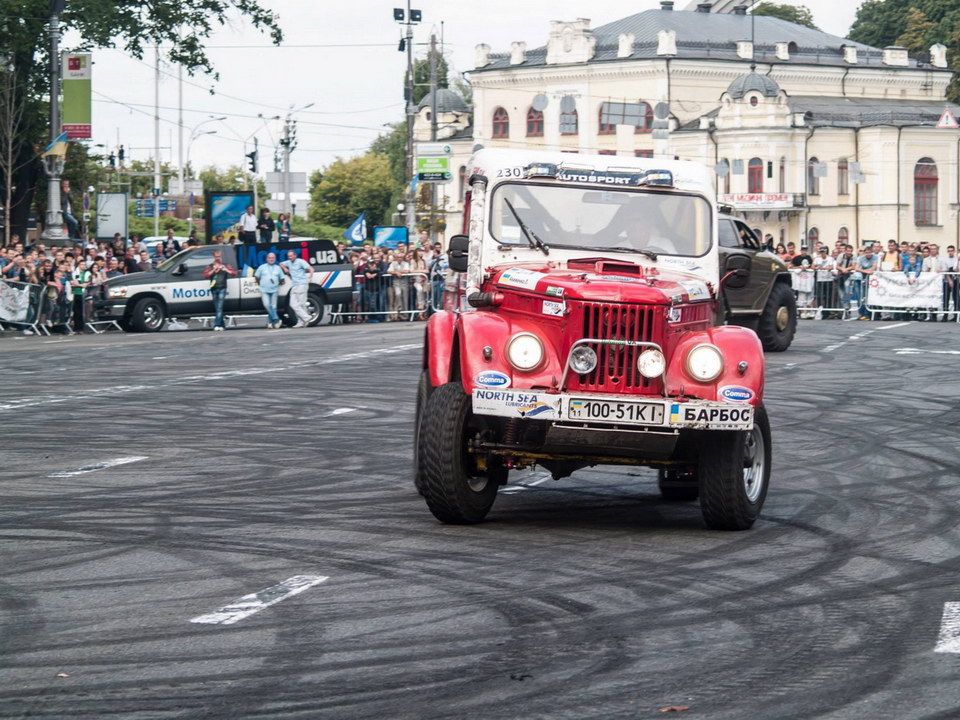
(782, 183)
(843, 235)
(534, 123)
(755, 175)
(604, 129)
(501, 123)
(843, 177)
(792, 47)
(813, 235)
(813, 182)
(462, 176)
(726, 178)
(646, 118)
(925, 192)
(569, 123)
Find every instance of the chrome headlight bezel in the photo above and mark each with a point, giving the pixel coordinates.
(591, 356)
(704, 362)
(651, 363)
(116, 293)
(525, 365)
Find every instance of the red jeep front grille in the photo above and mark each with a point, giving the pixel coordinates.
(616, 369)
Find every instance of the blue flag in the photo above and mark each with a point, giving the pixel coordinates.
(357, 232)
(413, 184)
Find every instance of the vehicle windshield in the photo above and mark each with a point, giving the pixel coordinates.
(174, 260)
(622, 220)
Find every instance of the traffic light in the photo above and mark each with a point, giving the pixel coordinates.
(253, 161)
(415, 16)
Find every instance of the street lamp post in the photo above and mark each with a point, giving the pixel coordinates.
(249, 177)
(193, 136)
(288, 142)
(53, 164)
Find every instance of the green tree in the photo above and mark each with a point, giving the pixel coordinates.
(349, 187)
(134, 25)
(918, 33)
(421, 77)
(798, 14)
(231, 179)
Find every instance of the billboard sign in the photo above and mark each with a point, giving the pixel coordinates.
(111, 215)
(389, 236)
(76, 114)
(223, 212)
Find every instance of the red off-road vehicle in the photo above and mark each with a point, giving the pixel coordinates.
(580, 329)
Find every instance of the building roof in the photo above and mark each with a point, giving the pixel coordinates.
(858, 112)
(724, 31)
(753, 81)
(447, 101)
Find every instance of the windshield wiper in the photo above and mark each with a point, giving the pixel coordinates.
(646, 253)
(535, 242)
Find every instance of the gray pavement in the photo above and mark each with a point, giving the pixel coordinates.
(252, 457)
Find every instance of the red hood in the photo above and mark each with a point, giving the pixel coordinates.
(603, 279)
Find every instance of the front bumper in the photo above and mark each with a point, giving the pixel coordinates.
(109, 308)
(627, 412)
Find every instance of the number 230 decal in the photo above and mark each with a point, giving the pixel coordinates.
(510, 172)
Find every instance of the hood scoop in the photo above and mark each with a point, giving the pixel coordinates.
(604, 266)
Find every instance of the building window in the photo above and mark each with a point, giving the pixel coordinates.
(843, 177)
(643, 153)
(755, 175)
(925, 192)
(843, 235)
(569, 123)
(754, 100)
(501, 123)
(462, 175)
(534, 123)
(646, 119)
(792, 47)
(813, 235)
(607, 152)
(782, 180)
(604, 128)
(726, 178)
(813, 182)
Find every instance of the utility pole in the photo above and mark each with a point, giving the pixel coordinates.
(411, 18)
(156, 141)
(285, 143)
(53, 222)
(180, 128)
(433, 130)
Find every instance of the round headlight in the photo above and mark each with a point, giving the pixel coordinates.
(704, 362)
(525, 351)
(651, 363)
(583, 359)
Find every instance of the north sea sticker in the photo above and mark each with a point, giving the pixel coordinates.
(554, 309)
(492, 378)
(735, 393)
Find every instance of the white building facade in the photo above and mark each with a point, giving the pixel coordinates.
(812, 136)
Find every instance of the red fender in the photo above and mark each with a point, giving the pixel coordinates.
(437, 346)
(737, 345)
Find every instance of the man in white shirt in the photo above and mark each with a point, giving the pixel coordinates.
(949, 265)
(398, 270)
(824, 265)
(931, 260)
(248, 226)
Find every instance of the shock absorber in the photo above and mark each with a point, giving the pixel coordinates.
(511, 432)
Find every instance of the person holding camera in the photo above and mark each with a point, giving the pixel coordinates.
(269, 277)
(217, 273)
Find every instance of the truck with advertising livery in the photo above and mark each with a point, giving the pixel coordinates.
(580, 328)
(176, 288)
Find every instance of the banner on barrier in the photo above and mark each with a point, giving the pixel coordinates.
(15, 303)
(899, 290)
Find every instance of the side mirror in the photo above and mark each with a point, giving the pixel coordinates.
(458, 253)
(179, 269)
(736, 271)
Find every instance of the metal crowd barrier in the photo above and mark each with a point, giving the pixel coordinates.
(848, 297)
(21, 305)
(401, 297)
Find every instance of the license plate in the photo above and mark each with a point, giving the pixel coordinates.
(615, 411)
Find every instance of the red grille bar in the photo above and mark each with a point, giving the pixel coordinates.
(616, 369)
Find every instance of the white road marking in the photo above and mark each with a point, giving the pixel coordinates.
(98, 466)
(53, 342)
(949, 639)
(857, 336)
(340, 411)
(919, 351)
(255, 602)
(109, 393)
(510, 489)
(891, 327)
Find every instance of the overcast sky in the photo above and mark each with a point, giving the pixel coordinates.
(352, 72)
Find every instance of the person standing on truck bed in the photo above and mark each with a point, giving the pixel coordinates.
(248, 226)
(217, 272)
(300, 273)
(269, 277)
(266, 226)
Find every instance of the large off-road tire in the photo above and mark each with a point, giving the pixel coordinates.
(734, 473)
(455, 491)
(778, 322)
(424, 390)
(148, 315)
(678, 486)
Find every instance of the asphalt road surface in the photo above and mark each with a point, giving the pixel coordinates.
(224, 525)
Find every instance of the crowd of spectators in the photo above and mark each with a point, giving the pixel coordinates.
(833, 278)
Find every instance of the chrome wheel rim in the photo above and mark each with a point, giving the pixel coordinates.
(754, 464)
(314, 310)
(152, 317)
(783, 318)
(478, 484)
